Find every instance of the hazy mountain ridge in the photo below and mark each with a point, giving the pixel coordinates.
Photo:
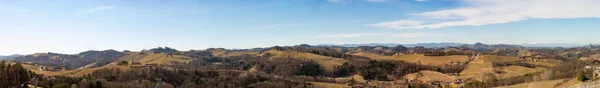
(427, 45)
(10, 56)
(439, 45)
(71, 61)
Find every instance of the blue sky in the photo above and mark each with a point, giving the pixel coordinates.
(71, 26)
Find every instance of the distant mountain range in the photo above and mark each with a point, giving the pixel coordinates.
(438, 45)
(427, 45)
(10, 56)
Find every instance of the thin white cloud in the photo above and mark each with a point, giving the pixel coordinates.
(485, 12)
(420, 0)
(96, 9)
(398, 35)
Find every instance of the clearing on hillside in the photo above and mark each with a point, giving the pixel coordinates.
(328, 85)
(158, 58)
(482, 66)
(538, 84)
(430, 76)
(419, 58)
(327, 62)
(514, 71)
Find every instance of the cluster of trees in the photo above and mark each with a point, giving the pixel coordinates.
(13, 75)
(188, 78)
(381, 70)
(102, 57)
(166, 50)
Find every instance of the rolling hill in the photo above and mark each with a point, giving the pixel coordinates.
(418, 58)
(327, 62)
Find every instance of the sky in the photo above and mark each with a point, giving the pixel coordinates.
(72, 26)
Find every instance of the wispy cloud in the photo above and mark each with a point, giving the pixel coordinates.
(401, 24)
(398, 35)
(96, 9)
(485, 12)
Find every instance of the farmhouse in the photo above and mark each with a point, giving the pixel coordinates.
(51, 68)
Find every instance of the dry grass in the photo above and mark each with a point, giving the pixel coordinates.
(327, 62)
(159, 58)
(427, 76)
(328, 85)
(482, 66)
(546, 62)
(514, 71)
(358, 78)
(496, 58)
(418, 58)
(569, 82)
(538, 84)
(477, 68)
